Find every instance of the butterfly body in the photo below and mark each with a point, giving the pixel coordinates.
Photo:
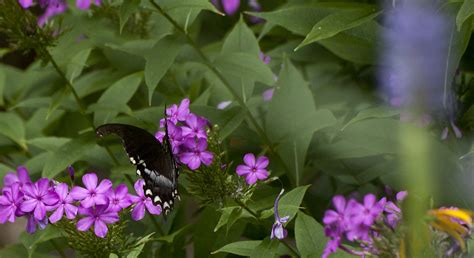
(154, 162)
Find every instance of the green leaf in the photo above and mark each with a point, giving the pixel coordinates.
(241, 39)
(244, 65)
(66, 155)
(242, 248)
(229, 216)
(77, 64)
(13, 127)
(127, 8)
(31, 241)
(266, 249)
(232, 124)
(376, 112)
(3, 81)
(57, 98)
(13, 251)
(117, 96)
(171, 237)
(139, 246)
(337, 22)
(465, 12)
(37, 102)
(309, 235)
(169, 5)
(159, 60)
(48, 143)
(290, 203)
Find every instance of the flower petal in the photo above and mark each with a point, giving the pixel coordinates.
(62, 190)
(262, 162)
(71, 211)
(152, 209)
(85, 223)
(249, 159)
(230, 6)
(242, 170)
(339, 202)
(139, 187)
(138, 212)
(90, 181)
(100, 228)
(251, 178)
(79, 193)
(28, 205)
(50, 198)
(121, 191)
(57, 214)
(110, 217)
(104, 186)
(261, 174)
(40, 211)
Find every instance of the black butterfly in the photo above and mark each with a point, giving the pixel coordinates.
(154, 161)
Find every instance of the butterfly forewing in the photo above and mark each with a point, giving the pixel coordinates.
(154, 162)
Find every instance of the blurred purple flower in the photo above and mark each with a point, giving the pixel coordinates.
(99, 216)
(253, 170)
(142, 202)
(70, 170)
(10, 203)
(401, 195)
(26, 3)
(195, 153)
(268, 94)
(255, 7)
(266, 59)
(278, 230)
(367, 212)
(175, 134)
(414, 74)
(93, 194)
(176, 113)
(32, 223)
(39, 198)
(224, 104)
(22, 177)
(335, 220)
(64, 205)
(331, 247)
(119, 198)
(51, 10)
(196, 127)
(85, 4)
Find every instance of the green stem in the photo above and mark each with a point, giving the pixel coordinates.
(257, 217)
(153, 219)
(79, 102)
(207, 62)
(58, 249)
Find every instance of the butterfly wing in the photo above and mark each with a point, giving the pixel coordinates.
(154, 161)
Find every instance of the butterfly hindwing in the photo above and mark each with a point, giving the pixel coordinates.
(154, 162)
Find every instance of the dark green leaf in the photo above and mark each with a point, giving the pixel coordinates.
(242, 248)
(31, 241)
(309, 235)
(77, 64)
(3, 81)
(465, 12)
(48, 143)
(169, 5)
(241, 39)
(228, 217)
(376, 112)
(13, 127)
(127, 8)
(290, 203)
(171, 237)
(159, 60)
(266, 249)
(33, 103)
(66, 155)
(139, 246)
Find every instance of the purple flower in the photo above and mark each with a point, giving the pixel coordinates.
(366, 213)
(331, 247)
(32, 223)
(278, 230)
(25, 3)
(230, 6)
(70, 170)
(335, 221)
(176, 113)
(141, 201)
(22, 177)
(224, 104)
(266, 59)
(64, 205)
(253, 170)
(51, 10)
(195, 153)
(119, 199)
(39, 198)
(10, 203)
(255, 7)
(85, 4)
(175, 135)
(268, 94)
(99, 216)
(93, 194)
(196, 127)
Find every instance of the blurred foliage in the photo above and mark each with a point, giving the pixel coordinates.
(327, 124)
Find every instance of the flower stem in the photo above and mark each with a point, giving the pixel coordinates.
(58, 249)
(207, 62)
(79, 102)
(293, 251)
(153, 219)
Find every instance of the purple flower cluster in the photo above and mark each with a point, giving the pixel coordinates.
(55, 7)
(187, 134)
(253, 169)
(354, 221)
(231, 7)
(97, 203)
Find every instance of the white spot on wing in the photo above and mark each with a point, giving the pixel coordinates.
(138, 172)
(157, 199)
(148, 192)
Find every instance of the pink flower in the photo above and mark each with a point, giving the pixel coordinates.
(176, 113)
(93, 194)
(196, 127)
(119, 199)
(39, 198)
(64, 205)
(99, 216)
(142, 202)
(196, 153)
(253, 170)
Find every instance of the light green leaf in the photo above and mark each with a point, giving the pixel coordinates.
(170, 5)
(309, 235)
(57, 98)
(115, 98)
(337, 22)
(228, 217)
(376, 112)
(159, 60)
(266, 249)
(244, 65)
(127, 8)
(66, 155)
(232, 124)
(242, 248)
(241, 39)
(171, 237)
(48, 143)
(139, 246)
(13, 127)
(37, 102)
(31, 241)
(290, 203)
(465, 12)
(77, 64)
(3, 81)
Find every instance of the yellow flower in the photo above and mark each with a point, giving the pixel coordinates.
(446, 220)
